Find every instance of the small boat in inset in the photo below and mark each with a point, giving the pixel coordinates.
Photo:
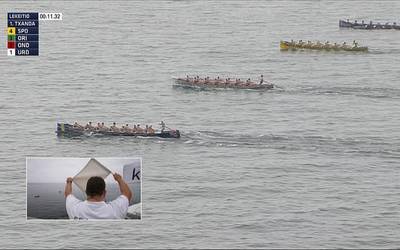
(368, 26)
(36, 196)
(300, 45)
(69, 130)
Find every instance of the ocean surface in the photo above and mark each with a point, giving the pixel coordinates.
(313, 163)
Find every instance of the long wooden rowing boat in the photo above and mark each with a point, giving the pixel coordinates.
(368, 26)
(68, 130)
(285, 45)
(222, 84)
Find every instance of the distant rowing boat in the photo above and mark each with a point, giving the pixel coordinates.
(368, 26)
(222, 84)
(68, 130)
(285, 45)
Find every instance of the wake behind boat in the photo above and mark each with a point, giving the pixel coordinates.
(221, 83)
(76, 130)
(368, 26)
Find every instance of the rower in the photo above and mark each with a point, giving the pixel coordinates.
(187, 78)
(114, 128)
(162, 126)
(262, 79)
(150, 130)
(77, 125)
(89, 126)
(139, 129)
(134, 130)
(146, 129)
(103, 127)
(226, 81)
(127, 129)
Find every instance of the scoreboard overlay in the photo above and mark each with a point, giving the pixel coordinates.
(23, 32)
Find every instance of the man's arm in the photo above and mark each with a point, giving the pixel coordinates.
(123, 187)
(68, 187)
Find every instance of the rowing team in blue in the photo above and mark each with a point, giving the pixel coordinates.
(100, 127)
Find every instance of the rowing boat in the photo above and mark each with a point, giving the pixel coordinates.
(285, 45)
(222, 84)
(68, 130)
(368, 26)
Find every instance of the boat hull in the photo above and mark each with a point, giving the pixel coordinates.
(68, 130)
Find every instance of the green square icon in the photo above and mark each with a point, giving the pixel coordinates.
(11, 37)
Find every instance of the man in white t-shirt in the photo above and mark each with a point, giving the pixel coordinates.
(95, 206)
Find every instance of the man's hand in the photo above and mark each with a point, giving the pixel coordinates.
(68, 187)
(123, 187)
(117, 177)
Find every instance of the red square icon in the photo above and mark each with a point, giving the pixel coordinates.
(11, 45)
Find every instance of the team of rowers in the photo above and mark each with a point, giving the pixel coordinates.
(370, 24)
(227, 82)
(100, 127)
(318, 44)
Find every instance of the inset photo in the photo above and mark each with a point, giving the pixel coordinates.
(84, 188)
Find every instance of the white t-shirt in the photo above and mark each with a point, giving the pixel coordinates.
(115, 209)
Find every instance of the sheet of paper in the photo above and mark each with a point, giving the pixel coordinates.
(92, 168)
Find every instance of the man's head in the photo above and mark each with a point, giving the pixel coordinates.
(96, 187)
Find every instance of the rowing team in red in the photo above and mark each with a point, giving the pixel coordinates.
(221, 82)
(113, 128)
